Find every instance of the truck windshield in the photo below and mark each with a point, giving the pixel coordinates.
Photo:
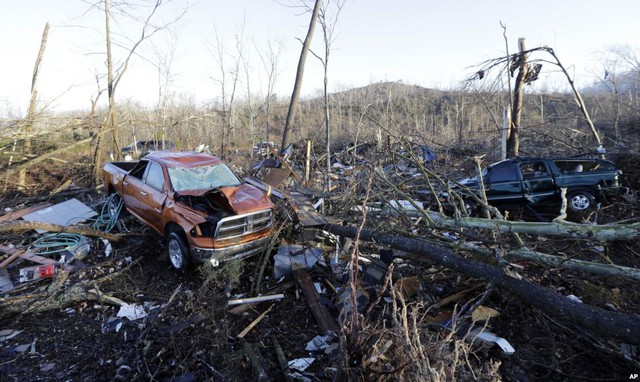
(199, 178)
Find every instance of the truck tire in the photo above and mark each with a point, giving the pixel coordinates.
(177, 251)
(580, 201)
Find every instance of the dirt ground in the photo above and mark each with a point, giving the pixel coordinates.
(190, 334)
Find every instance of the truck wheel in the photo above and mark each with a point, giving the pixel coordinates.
(178, 251)
(580, 201)
(115, 205)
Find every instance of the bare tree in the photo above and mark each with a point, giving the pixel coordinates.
(165, 58)
(519, 63)
(286, 134)
(228, 82)
(529, 74)
(328, 19)
(115, 75)
(270, 58)
(31, 113)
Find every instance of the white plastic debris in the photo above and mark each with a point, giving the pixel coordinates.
(132, 312)
(319, 343)
(301, 364)
(295, 254)
(574, 298)
(107, 247)
(492, 338)
(403, 207)
(450, 235)
(8, 334)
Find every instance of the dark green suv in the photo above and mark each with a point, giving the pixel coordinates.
(537, 182)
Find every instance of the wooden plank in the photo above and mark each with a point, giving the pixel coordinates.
(279, 289)
(10, 259)
(27, 255)
(15, 215)
(276, 177)
(254, 323)
(38, 259)
(320, 312)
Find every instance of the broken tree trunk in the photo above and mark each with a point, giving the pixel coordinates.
(59, 295)
(621, 326)
(322, 316)
(528, 254)
(31, 113)
(608, 232)
(286, 134)
(257, 361)
(513, 144)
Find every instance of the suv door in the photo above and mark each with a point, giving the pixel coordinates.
(538, 182)
(503, 186)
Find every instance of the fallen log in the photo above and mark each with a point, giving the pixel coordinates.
(19, 226)
(554, 261)
(60, 295)
(606, 232)
(257, 361)
(621, 326)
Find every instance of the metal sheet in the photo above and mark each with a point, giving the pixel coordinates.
(66, 213)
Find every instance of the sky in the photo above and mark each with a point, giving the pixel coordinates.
(435, 44)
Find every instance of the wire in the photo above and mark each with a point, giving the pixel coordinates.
(54, 243)
(107, 219)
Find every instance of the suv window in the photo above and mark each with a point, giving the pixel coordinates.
(155, 177)
(533, 170)
(503, 174)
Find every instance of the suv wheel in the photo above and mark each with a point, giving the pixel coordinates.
(580, 201)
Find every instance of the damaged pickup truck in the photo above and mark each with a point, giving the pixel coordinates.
(536, 182)
(196, 202)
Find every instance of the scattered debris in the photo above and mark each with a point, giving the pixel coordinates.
(325, 322)
(254, 323)
(289, 256)
(39, 272)
(132, 312)
(301, 364)
(7, 334)
(491, 338)
(253, 300)
(5, 281)
(322, 343)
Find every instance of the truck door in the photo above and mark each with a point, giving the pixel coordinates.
(131, 186)
(503, 186)
(538, 182)
(153, 195)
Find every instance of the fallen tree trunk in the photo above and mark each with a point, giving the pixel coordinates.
(621, 326)
(608, 232)
(554, 261)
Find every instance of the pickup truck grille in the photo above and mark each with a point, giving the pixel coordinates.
(234, 226)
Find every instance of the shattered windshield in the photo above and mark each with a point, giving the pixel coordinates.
(205, 177)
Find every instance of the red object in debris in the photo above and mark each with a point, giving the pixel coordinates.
(39, 272)
(46, 271)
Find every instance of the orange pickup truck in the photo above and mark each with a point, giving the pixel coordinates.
(196, 202)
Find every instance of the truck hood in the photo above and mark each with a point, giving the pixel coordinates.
(241, 199)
